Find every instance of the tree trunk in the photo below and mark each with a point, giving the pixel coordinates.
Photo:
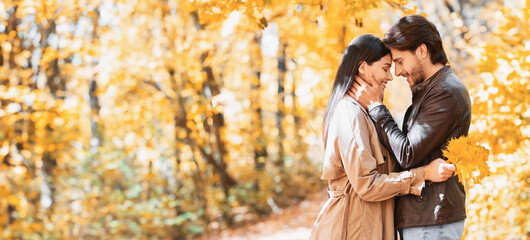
(280, 114)
(257, 135)
(57, 89)
(216, 125)
(299, 141)
(95, 127)
(217, 160)
(181, 125)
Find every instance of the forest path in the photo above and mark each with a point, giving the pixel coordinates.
(292, 223)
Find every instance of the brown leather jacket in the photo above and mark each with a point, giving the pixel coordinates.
(440, 111)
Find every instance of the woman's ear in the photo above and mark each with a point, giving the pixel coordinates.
(362, 68)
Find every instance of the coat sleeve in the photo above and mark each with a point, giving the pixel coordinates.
(430, 129)
(360, 165)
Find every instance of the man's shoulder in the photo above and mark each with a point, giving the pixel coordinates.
(453, 89)
(451, 81)
(452, 84)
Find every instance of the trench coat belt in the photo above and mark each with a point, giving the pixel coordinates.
(343, 194)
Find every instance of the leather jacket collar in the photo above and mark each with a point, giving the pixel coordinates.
(419, 87)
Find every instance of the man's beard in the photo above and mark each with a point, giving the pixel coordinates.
(417, 75)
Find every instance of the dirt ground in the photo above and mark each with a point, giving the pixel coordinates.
(292, 223)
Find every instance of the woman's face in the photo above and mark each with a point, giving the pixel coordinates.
(380, 69)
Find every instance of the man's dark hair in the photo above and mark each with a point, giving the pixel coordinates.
(413, 30)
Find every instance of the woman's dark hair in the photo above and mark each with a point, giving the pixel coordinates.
(413, 30)
(364, 48)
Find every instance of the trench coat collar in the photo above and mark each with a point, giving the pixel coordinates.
(348, 98)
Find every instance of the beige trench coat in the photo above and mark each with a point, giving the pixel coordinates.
(361, 182)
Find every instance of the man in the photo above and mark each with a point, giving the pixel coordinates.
(440, 111)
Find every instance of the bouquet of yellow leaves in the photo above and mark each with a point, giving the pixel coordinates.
(469, 158)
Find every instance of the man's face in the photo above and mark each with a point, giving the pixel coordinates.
(408, 65)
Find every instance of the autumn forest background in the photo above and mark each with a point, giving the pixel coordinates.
(169, 119)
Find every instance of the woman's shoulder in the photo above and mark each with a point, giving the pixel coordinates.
(348, 112)
(347, 106)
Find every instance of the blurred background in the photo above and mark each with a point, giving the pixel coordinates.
(171, 119)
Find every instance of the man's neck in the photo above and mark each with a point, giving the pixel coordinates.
(432, 69)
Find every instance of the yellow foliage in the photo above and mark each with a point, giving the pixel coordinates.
(36, 226)
(13, 200)
(470, 159)
(116, 124)
(48, 56)
(498, 207)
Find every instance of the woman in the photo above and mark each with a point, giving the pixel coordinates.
(358, 168)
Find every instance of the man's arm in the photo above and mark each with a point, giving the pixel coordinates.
(432, 125)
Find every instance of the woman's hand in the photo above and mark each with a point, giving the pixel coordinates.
(438, 170)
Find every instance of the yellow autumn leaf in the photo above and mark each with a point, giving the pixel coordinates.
(49, 55)
(13, 200)
(470, 160)
(35, 226)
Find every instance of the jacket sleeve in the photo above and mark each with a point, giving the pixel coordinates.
(430, 129)
(360, 165)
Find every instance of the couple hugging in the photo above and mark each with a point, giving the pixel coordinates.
(386, 182)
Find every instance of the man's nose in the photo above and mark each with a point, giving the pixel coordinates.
(398, 71)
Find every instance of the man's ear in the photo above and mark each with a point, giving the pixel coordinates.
(422, 51)
(362, 68)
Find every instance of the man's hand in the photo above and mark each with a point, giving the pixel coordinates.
(369, 95)
(438, 170)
